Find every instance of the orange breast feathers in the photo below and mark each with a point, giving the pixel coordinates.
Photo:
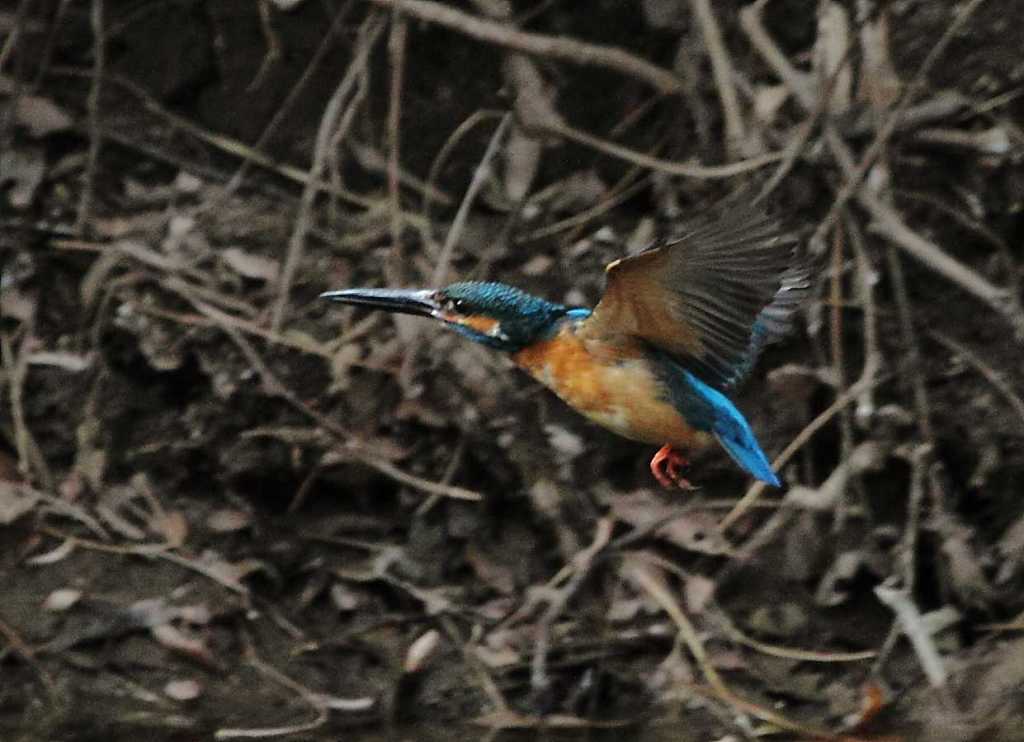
(615, 386)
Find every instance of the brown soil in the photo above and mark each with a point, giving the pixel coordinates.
(226, 507)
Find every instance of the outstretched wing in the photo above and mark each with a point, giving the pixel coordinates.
(712, 296)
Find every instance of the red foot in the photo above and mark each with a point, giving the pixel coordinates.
(667, 465)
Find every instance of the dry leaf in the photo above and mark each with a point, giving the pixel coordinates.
(832, 590)
(111, 517)
(198, 614)
(496, 658)
(690, 529)
(538, 265)
(54, 555)
(696, 531)
(768, 100)
(879, 86)
(180, 643)
(1011, 549)
(183, 690)
(24, 169)
(61, 600)
(185, 182)
(345, 598)
(781, 620)
(966, 575)
(16, 499)
(421, 650)
(567, 443)
(72, 362)
(522, 161)
(347, 704)
(830, 52)
(41, 116)
(534, 98)
(16, 304)
(499, 576)
(248, 265)
(172, 526)
(673, 677)
(96, 279)
(578, 191)
(697, 591)
(228, 520)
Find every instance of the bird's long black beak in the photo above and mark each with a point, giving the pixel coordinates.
(420, 302)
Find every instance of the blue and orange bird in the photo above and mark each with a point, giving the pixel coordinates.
(679, 326)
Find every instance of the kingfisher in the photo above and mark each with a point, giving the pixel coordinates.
(678, 328)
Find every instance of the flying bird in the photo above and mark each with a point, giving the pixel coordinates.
(679, 327)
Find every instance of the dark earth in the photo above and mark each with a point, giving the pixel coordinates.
(230, 510)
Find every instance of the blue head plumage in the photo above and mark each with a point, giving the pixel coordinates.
(497, 315)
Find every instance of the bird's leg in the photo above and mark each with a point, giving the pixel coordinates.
(667, 466)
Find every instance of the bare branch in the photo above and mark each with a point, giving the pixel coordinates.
(556, 47)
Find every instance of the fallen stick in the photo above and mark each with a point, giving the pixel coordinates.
(555, 47)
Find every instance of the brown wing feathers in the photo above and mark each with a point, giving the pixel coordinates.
(699, 295)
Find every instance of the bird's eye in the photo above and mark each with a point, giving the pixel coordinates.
(455, 305)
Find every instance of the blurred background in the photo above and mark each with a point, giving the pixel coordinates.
(227, 507)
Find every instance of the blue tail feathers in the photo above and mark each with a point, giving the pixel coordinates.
(732, 431)
(741, 445)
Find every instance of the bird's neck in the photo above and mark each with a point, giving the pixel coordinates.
(534, 321)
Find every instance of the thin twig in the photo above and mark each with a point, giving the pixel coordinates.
(320, 703)
(754, 493)
(913, 349)
(223, 143)
(93, 104)
(56, 25)
(293, 95)
(794, 148)
(559, 599)
(962, 217)
(441, 159)
(889, 223)
(20, 647)
(920, 461)
(670, 167)
(909, 616)
(793, 653)
(152, 551)
(396, 58)
(449, 473)
(480, 176)
(15, 364)
(555, 47)
(369, 32)
(885, 131)
(273, 53)
(473, 661)
(628, 186)
(995, 378)
(799, 83)
(866, 279)
(656, 588)
(350, 446)
(798, 140)
(839, 368)
(721, 68)
(8, 115)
